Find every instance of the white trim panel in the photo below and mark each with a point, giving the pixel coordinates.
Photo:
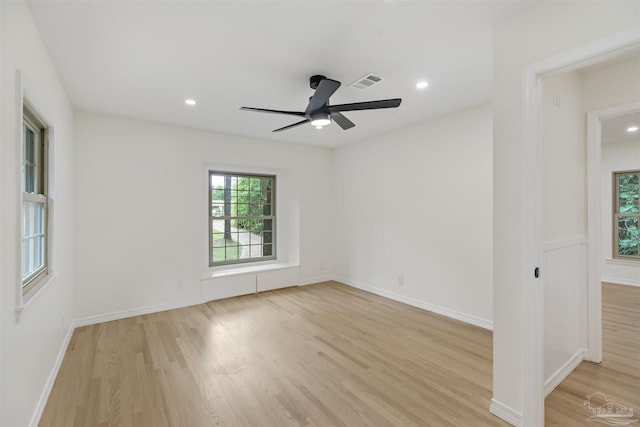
(503, 411)
(564, 371)
(124, 314)
(315, 280)
(619, 281)
(554, 245)
(276, 279)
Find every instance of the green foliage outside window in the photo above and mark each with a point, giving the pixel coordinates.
(628, 214)
(253, 200)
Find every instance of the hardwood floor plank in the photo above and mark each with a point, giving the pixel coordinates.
(320, 355)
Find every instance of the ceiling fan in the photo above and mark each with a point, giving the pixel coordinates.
(319, 113)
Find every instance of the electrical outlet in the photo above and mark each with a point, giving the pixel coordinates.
(321, 266)
(178, 286)
(400, 280)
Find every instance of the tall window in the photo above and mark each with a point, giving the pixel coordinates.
(34, 200)
(626, 215)
(241, 218)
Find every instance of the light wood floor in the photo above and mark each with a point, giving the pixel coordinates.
(618, 376)
(324, 355)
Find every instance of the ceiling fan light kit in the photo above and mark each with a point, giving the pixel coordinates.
(319, 113)
(321, 119)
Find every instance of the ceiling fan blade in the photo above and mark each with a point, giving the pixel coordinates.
(265, 110)
(342, 121)
(325, 89)
(291, 126)
(369, 105)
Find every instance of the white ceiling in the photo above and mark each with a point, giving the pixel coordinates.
(615, 129)
(141, 59)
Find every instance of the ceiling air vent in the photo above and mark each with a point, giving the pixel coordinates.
(366, 81)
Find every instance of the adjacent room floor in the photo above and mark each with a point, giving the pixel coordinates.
(325, 354)
(617, 377)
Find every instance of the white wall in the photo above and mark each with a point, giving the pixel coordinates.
(618, 156)
(565, 222)
(565, 158)
(417, 203)
(141, 209)
(31, 343)
(613, 85)
(538, 33)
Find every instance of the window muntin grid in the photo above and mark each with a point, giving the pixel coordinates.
(34, 200)
(241, 218)
(626, 215)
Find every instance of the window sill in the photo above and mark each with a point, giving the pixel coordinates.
(226, 271)
(34, 293)
(626, 262)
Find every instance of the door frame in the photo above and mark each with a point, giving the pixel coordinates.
(532, 301)
(594, 218)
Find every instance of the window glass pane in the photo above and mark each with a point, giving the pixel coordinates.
(628, 239)
(38, 222)
(26, 258)
(33, 238)
(244, 252)
(255, 184)
(232, 251)
(267, 250)
(38, 251)
(217, 208)
(628, 192)
(29, 161)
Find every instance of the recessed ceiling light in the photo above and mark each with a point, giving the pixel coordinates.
(632, 129)
(190, 101)
(422, 84)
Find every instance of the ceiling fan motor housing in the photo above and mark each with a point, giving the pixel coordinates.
(314, 81)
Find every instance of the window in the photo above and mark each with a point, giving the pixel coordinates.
(241, 218)
(626, 215)
(34, 200)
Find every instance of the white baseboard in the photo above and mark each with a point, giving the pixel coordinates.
(467, 318)
(564, 371)
(501, 410)
(117, 315)
(619, 281)
(315, 280)
(42, 402)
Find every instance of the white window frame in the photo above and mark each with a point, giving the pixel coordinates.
(40, 195)
(616, 215)
(272, 217)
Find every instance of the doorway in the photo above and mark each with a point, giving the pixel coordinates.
(533, 301)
